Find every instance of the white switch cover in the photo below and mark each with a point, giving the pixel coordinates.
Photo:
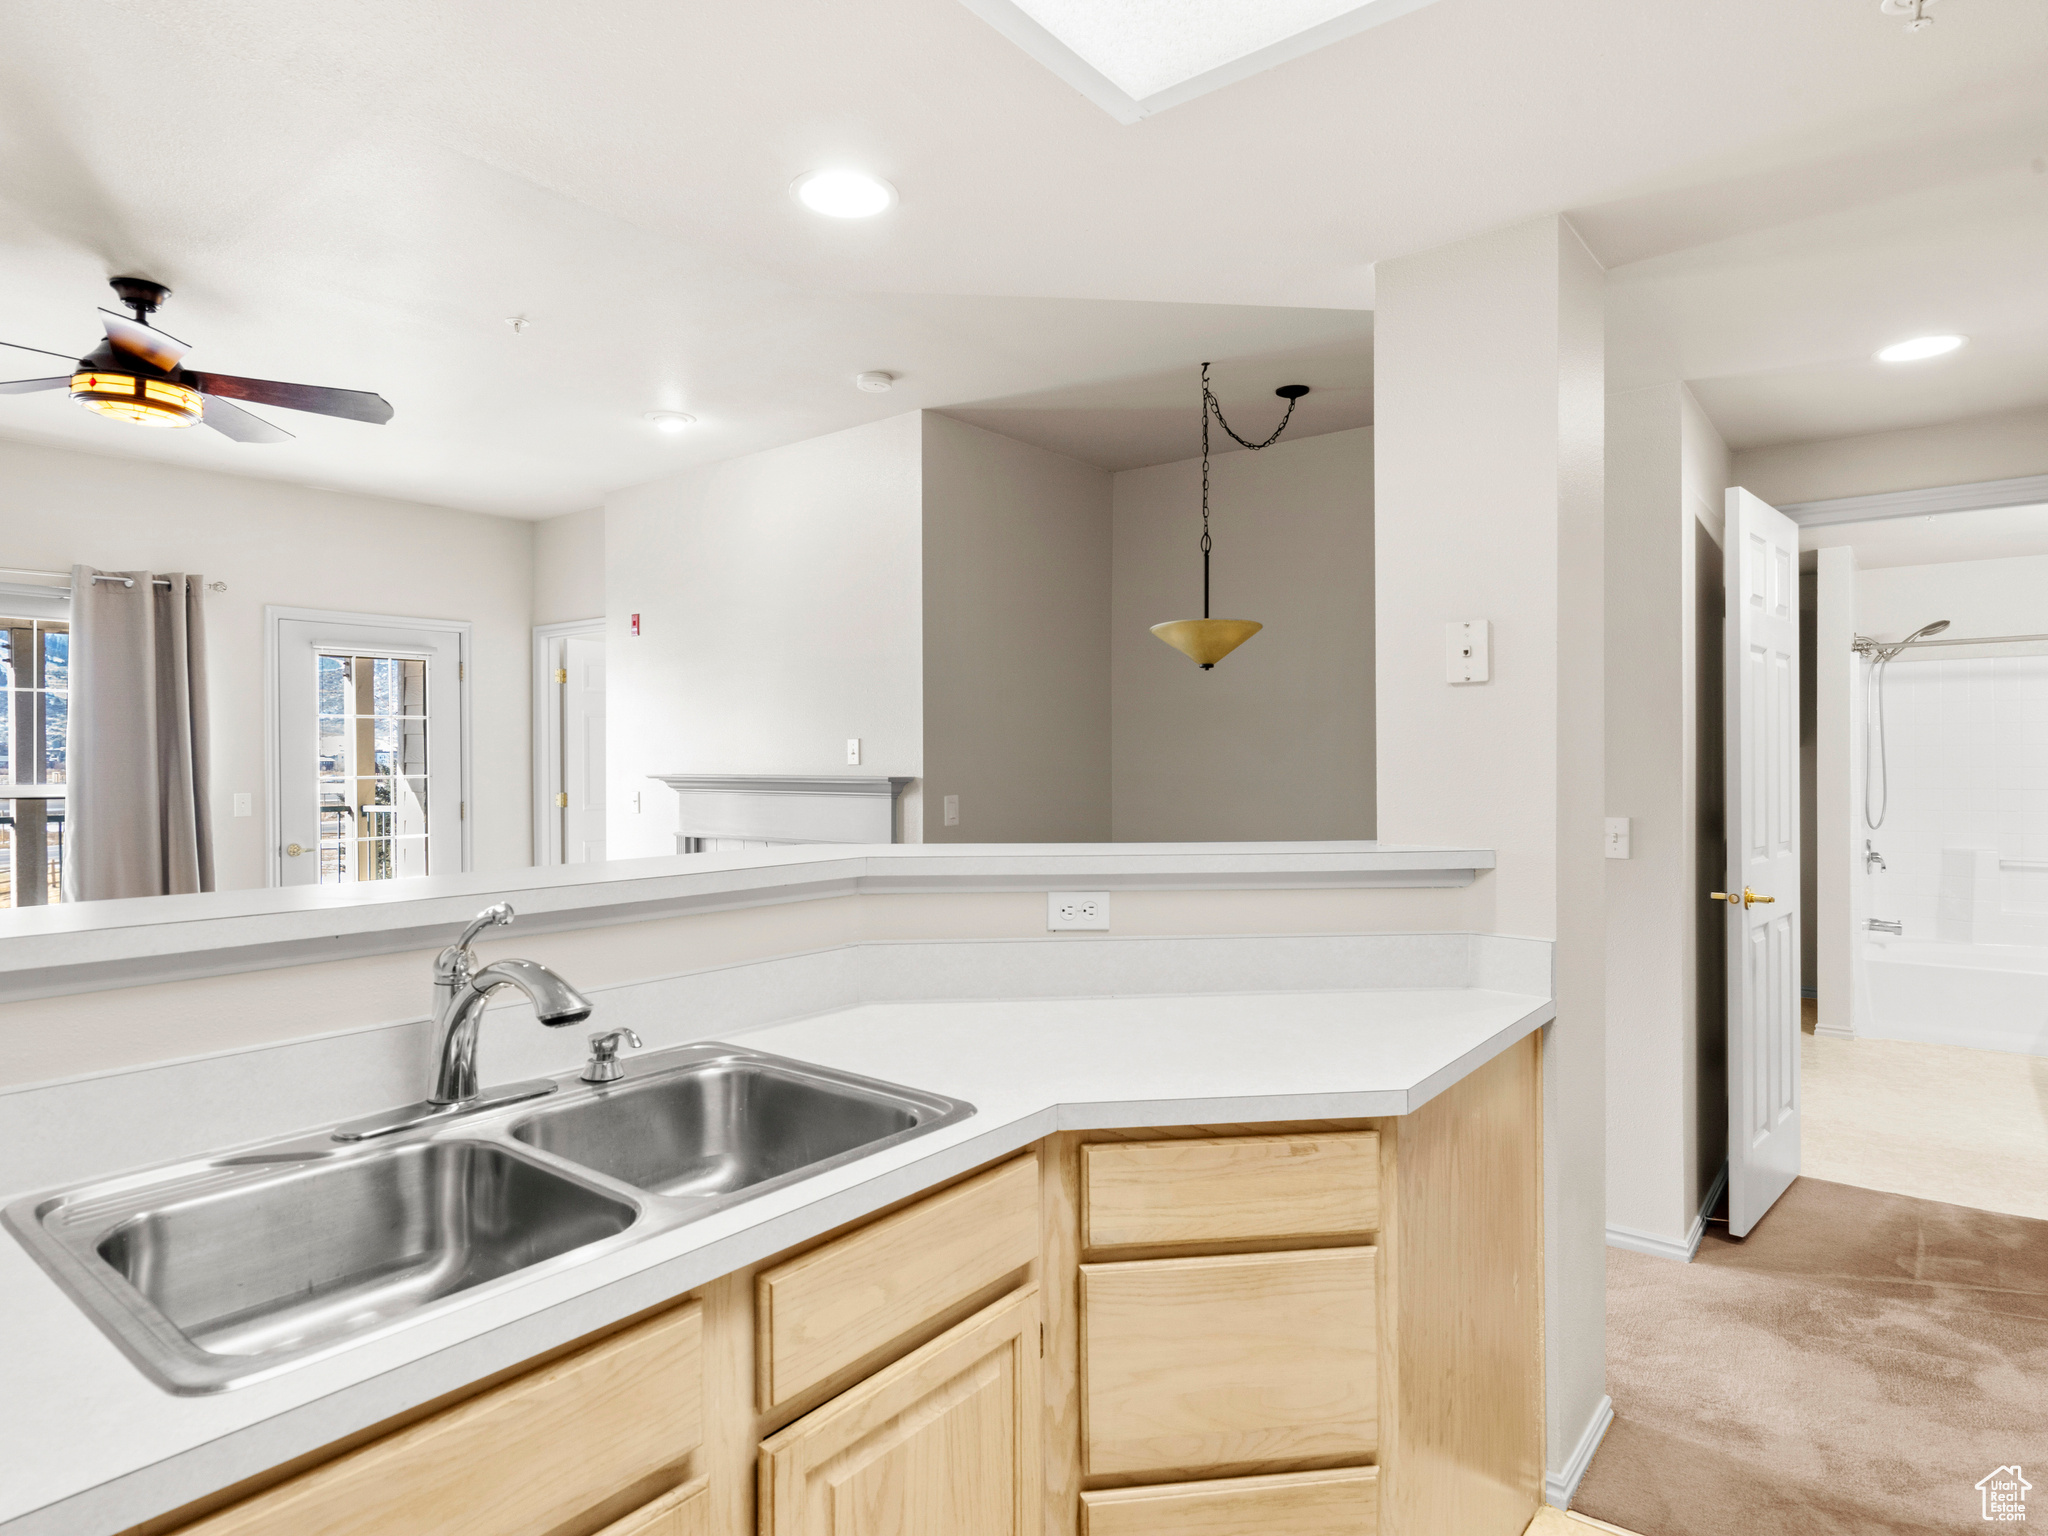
(952, 810)
(1617, 837)
(1077, 911)
(853, 750)
(245, 802)
(1468, 651)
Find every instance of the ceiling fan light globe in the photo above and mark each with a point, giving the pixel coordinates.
(1206, 641)
(133, 398)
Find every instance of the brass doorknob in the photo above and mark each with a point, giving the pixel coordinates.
(1745, 898)
(293, 849)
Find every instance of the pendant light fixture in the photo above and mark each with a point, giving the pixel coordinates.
(1207, 641)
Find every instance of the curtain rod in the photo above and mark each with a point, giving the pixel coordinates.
(19, 570)
(1977, 640)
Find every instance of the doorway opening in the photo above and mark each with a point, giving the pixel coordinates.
(568, 743)
(368, 760)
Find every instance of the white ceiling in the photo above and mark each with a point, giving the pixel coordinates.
(360, 193)
(1156, 418)
(2002, 533)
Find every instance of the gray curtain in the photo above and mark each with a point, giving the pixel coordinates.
(137, 817)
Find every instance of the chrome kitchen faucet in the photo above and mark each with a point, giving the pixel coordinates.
(461, 988)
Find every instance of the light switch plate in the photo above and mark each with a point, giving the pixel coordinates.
(1617, 837)
(852, 751)
(952, 810)
(1468, 651)
(245, 802)
(1077, 911)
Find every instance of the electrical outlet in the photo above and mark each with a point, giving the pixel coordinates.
(952, 809)
(853, 751)
(245, 802)
(1077, 911)
(1617, 837)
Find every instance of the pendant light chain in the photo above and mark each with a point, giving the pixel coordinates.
(1209, 404)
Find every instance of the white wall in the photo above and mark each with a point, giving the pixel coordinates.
(780, 600)
(1666, 1106)
(568, 567)
(1016, 639)
(274, 543)
(2000, 447)
(1488, 504)
(1277, 741)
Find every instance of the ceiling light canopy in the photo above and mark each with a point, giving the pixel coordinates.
(669, 421)
(1920, 348)
(843, 194)
(1136, 57)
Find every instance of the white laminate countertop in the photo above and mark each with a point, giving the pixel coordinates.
(89, 1445)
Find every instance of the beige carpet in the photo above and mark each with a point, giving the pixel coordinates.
(1854, 1367)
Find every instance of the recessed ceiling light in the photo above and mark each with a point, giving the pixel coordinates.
(1920, 347)
(668, 421)
(843, 194)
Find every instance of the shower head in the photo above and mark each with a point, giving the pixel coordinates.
(1927, 629)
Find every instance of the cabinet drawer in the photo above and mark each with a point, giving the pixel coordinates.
(1234, 1189)
(1340, 1503)
(827, 1309)
(1240, 1361)
(945, 1442)
(685, 1512)
(518, 1460)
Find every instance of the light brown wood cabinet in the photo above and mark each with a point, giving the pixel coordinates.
(1230, 1189)
(1312, 1330)
(1235, 1362)
(524, 1459)
(943, 1443)
(1340, 1503)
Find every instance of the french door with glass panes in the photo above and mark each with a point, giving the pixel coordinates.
(368, 748)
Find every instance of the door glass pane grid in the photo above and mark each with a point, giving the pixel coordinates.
(25, 879)
(35, 678)
(372, 767)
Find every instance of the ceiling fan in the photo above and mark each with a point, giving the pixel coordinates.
(134, 376)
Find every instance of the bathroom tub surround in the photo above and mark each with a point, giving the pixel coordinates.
(1041, 1037)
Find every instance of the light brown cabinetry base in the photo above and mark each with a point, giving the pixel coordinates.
(1328, 1329)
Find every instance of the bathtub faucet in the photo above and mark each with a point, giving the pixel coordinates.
(1872, 859)
(1888, 925)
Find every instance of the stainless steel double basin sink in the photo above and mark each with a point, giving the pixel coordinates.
(221, 1271)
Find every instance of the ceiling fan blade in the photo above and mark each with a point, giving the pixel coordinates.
(30, 386)
(19, 347)
(155, 347)
(354, 404)
(233, 421)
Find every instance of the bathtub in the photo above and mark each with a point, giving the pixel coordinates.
(1993, 997)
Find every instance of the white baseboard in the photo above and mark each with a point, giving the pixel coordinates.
(1672, 1248)
(1559, 1486)
(1833, 1031)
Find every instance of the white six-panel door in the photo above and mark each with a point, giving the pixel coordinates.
(1762, 787)
(582, 748)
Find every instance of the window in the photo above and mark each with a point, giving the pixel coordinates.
(373, 768)
(35, 683)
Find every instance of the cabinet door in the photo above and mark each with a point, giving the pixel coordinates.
(686, 1511)
(1341, 1503)
(943, 1443)
(522, 1459)
(1253, 1361)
